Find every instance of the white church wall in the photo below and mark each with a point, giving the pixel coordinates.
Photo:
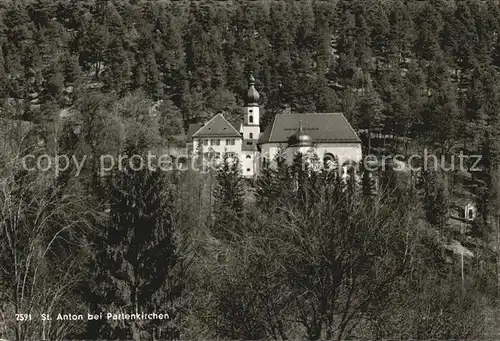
(342, 151)
(251, 127)
(269, 150)
(249, 161)
(252, 115)
(291, 152)
(251, 132)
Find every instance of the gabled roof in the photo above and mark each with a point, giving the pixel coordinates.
(321, 127)
(218, 126)
(193, 128)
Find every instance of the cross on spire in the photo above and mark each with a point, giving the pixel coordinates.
(251, 79)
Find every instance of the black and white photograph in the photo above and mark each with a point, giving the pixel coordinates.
(249, 170)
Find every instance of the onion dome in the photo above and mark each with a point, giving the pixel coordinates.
(300, 139)
(252, 94)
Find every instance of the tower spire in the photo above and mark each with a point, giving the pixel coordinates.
(252, 94)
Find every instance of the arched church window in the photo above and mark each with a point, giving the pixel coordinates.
(249, 157)
(330, 161)
(328, 158)
(250, 135)
(250, 119)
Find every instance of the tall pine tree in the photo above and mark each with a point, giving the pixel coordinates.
(229, 197)
(134, 257)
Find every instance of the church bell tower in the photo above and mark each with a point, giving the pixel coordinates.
(251, 124)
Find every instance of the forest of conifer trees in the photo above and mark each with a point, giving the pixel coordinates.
(293, 254)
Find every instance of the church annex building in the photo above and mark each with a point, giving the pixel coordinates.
(328, 135)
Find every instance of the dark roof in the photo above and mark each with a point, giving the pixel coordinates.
(249, 145)
(193, 128)
(321, 127)
(218, 126)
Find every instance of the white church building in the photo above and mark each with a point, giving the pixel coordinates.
(327, 135)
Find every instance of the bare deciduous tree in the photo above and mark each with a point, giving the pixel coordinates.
(42, 240)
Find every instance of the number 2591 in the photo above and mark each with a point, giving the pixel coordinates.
(23, 317)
